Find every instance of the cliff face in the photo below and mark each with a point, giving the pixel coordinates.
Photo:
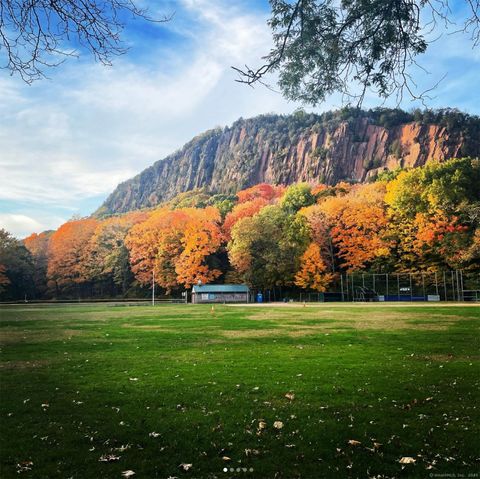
(288, 149)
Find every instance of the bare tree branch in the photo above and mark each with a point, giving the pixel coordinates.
(36, 35)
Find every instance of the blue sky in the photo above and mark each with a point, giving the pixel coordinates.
(66, 142)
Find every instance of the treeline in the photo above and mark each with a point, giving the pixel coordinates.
(423, 219)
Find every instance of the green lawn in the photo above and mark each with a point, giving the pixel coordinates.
(176, 384)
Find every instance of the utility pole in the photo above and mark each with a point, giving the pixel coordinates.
(153, 287)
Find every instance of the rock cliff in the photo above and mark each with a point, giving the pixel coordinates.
(347, 145)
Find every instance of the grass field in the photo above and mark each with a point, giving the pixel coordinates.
(254, 392)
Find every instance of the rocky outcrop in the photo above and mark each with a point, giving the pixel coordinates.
(287, 149)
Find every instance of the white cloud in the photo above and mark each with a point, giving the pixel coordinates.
(91, 127)
(21, 225)
(73, 138)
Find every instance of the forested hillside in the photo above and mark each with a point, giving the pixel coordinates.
(349, 145)
(300, 236)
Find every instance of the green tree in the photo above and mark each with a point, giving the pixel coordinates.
(106, 260)
(446, 186)
(296, 197)
(223, 203)
(324, 46)
(266, 248)
(433, 214)
(17, 268)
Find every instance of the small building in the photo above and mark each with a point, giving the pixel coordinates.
(220, 293)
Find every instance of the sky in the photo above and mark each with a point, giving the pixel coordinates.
(67, 141)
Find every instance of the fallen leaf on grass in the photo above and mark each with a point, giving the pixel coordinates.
(133, 379)
(109, 458)
(290, 396)
(123, 448)
(128, 473)
(261, 426)
(24, 466)
(226, 458)
(154, 434)
(407, 460)
(185, 467)
(353, 442)
(278, 424)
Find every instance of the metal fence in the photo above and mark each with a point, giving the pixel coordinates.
(455, 285)
(420, 286)
(458, 285)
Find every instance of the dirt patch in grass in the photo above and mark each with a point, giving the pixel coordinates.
(149, 327)
(357, 319)
(284, 330)
(15, 365)
(8, 336)
(167, 329)
(252, 333)
(299, 333)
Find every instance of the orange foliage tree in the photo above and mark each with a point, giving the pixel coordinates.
(242, 210)
(320, 233)
(438, 239)
(313, 273)
(177, 245)
(359, 226)
(262, 190)
(66, 253)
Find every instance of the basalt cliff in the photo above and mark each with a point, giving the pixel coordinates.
(351, 145)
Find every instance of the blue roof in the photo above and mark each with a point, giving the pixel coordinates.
(221, 288)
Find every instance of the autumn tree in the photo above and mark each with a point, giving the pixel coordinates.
(262, 190)
(313, 273)
(106, 260)
(320, 233)
(38, 245)
(250, 202)
(266, 248)
(358, 227)
(201, 238)
(67, 253)
(471, 255)
(244, 209)
(177, 244)
(431, 211)
(154, 245)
